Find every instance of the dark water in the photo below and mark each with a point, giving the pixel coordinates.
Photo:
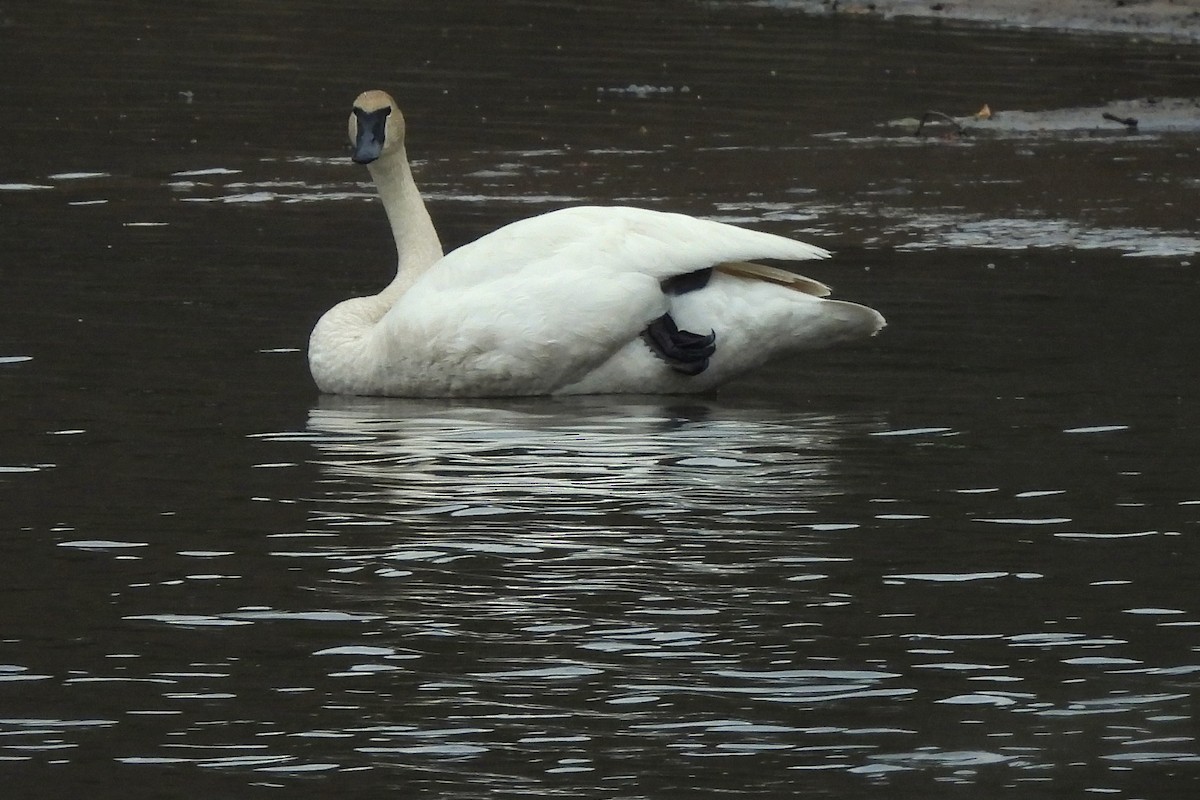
(956, 562)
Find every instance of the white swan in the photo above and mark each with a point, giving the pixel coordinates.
(585, 300)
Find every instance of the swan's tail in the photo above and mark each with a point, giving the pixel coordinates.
(844, 322)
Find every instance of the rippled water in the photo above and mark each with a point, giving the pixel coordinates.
(954, 562)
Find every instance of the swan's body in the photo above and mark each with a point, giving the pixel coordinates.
(583, 300)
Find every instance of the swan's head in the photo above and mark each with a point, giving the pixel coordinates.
(376, 127)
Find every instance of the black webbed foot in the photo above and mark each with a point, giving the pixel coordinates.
(684, 351)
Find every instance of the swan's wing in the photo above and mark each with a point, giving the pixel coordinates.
(527, 332)
(616, 239)
(538, 304)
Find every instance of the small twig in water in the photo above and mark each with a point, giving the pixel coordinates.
(938, 115)
(1128, 122)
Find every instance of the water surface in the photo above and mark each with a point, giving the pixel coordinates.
(951, 562)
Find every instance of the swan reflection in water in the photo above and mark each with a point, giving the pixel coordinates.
(609, 576)
(555, 468)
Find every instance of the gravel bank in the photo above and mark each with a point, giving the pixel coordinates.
(1175, 20)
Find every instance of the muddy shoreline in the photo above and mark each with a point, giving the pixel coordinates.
(1167, 20)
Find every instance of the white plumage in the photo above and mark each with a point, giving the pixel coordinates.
(558, 303)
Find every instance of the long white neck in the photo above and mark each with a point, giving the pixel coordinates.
(341, 352)
(417, 244)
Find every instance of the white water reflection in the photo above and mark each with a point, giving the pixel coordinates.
(960, 230)
(543, 469)
(562, 581)
(913, 211)
(907, 212)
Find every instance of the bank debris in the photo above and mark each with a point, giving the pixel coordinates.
(1146, 115)
(1166, 20)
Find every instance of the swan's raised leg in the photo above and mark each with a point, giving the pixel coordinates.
(684, 351)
